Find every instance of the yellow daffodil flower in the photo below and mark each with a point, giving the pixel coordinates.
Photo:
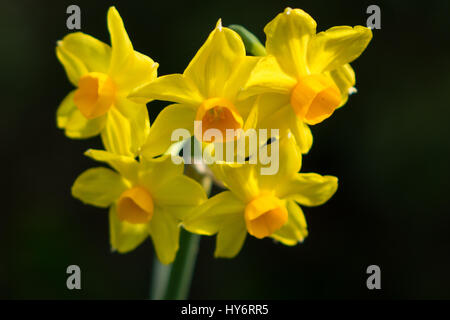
(307, 75)
(206, 91)
(145, 198)
(261, 205)
(104, 76)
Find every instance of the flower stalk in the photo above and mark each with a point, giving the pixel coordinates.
(251, 42)
(172, 282)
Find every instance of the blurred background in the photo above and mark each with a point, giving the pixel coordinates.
(389, 147)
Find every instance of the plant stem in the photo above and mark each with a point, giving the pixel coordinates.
(159, 280)
(183, 267)
(251, 42)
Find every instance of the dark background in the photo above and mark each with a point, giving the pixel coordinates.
(388, 146)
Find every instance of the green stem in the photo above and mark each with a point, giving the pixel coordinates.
(159, 280)
(251, 42)
(183, 267)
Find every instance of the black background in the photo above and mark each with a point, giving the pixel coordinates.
(388, 146)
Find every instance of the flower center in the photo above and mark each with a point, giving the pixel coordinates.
(314, 98)
(264, 215)
(219, 114)
(135, 206)
(95, 94)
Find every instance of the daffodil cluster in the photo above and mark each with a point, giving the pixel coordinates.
(301, 79)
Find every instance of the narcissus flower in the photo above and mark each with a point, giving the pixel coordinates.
(104, 76)
(261, 205)
(206, 91)
(145, 198)
(307, 75)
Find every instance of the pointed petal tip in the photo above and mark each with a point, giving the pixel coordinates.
(113, 14)
(352, 90)
(219, 24)
(112, 10)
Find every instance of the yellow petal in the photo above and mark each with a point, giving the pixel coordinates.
(271, 111)
(125, 236)
(139, 123)
(268, 77)
(180, 191)
(231, 238)
(308, 189)
(252, 119)
(302, 133)
(344, 78)
(295, 230)
(165, 232)
(239, 76)
(115, 136)
(245, 146)
(126, 135)
(245, 105)
(136, 71)
(337, 46)
(173, 87)
(287, 39)
(65, 110)
(99, 187)
(122, 49)
(241, 179)
(128, 68)
(172, 117)
(73, 66)
(169, 187)
(80, 54)
(275, 112)
(93, 53)
(126, 166)
(153, 173)
(76, 126)
(210, 216)
(289, 163)
(215, 61)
